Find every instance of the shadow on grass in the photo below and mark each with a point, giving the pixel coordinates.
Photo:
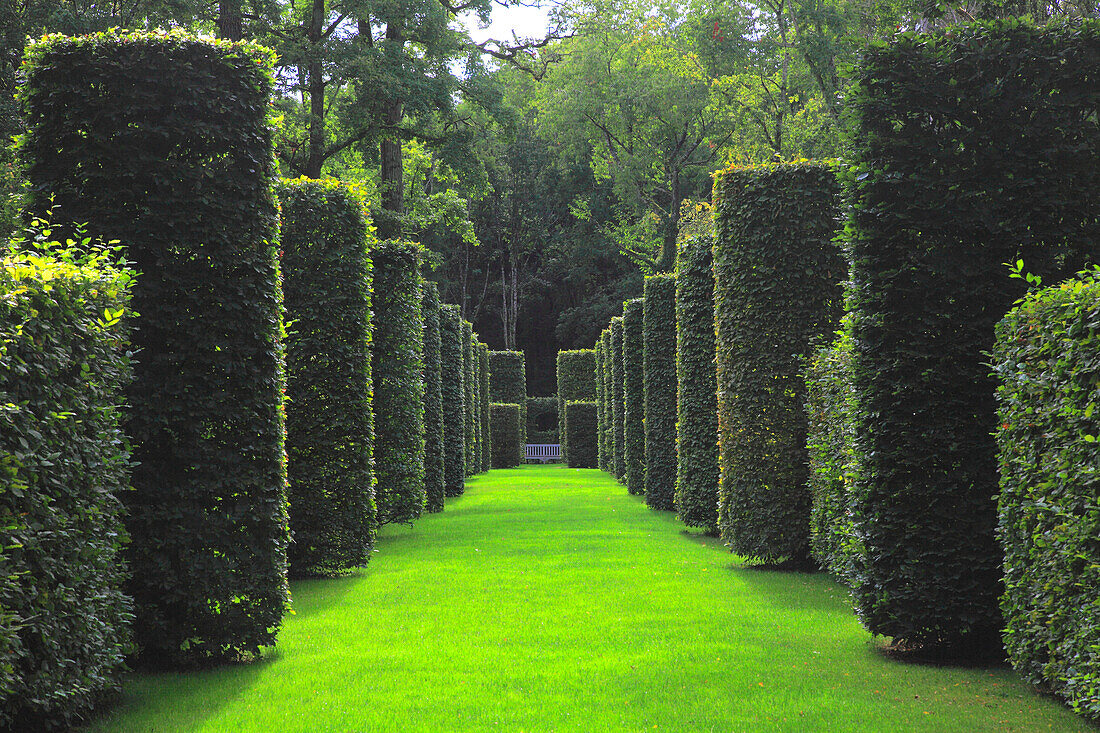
(203, 693)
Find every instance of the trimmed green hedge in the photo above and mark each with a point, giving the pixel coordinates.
(1047, 359)
(504, 428)
(397, 364)
(659, 367)
(434, 470)
(454, 400)
(634, 395)
(64, 620)
(329, 423)
(601, 457)
(580, 428)
(469, 392)
(479, 446)
(483, 407)
(542, 411)
(618, 454)
(697, 386)
(508, 384)
(576, 379)
(830, 408)
(607, 428)
(777, 289)
(164, 142)
(969, 147)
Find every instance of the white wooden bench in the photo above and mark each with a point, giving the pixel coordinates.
(543, 452)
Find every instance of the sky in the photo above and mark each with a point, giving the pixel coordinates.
(526, 22)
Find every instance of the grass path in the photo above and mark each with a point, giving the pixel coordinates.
(547, 599)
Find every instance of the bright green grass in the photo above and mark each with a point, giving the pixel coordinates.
(547, 599)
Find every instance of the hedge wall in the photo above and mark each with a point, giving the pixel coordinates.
(617, 452)
(475, 362)
(777, 288)
(434, 458)
(508, 384)
(483, 408)
(697, 388)
(830, 408)
(659, 368)
(607, 429)
(944, 185)
(542, 411)
(64, 621)
(397, 362)
(164, 142)
(469, 392)
(1049, 368)
(634, 396)
(504, 429)
(329, 425)
(576, 378)
(580, 427)
(454, 400)
(601, 458)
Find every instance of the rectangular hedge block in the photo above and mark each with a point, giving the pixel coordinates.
(576, 375)
(659, 369)
(580, 428)
(504, 426)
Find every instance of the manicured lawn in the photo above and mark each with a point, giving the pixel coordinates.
(547, 599)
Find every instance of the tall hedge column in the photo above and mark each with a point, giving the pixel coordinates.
(192, 200)
(777, 288)
(607, 429)
(433, 401)
(697, 387)
(945, 186)
(454, 400)
(469, 395)
(659, 366)
(329, 424)
(634, 396)
(601, 456)
(398, 362)
(617, 452)
(486, 428)
(576, 378)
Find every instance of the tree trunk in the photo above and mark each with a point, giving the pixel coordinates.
(784, 94)
(666, 262)
(230, 24)
(392, 188)
(316, 89)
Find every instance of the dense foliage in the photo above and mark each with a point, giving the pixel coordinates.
(454, 400)
(165, 143)
(504, 433)
(576, 376)
(329, 423)
(659, 367)
(542, 411)
(617, 372)
(830, 440)
(508, 384)
(580, 431)
(397, 363)
(634, 395)
(64, 463)
(434, 470)
(483, 407)
(944, 186)
(697, 389)
(777, 288)
(1047, 360)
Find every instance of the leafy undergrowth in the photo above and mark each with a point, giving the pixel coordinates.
(547, 599)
